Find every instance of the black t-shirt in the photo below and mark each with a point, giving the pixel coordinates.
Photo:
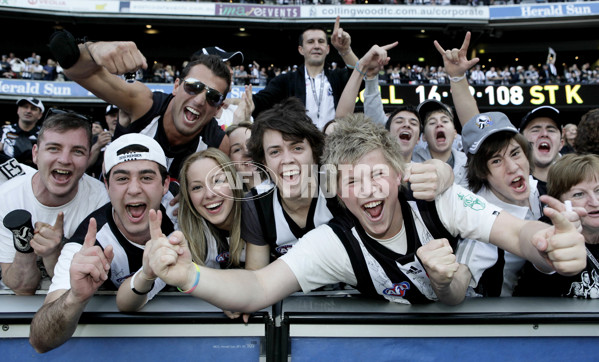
(584, 285)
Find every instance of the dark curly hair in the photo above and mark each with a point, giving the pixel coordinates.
(288, 117)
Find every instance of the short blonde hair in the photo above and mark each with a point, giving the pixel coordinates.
(356, 135)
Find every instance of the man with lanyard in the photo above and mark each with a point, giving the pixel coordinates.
(317, 87)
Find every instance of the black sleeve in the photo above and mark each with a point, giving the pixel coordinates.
(251, 229)
(161, 101)
(212, 134)
(275, 92)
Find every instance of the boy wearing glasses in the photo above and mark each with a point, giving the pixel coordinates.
(58, 197)
(182, 122)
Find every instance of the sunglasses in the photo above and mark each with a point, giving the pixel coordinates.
(194, 87)
(54, 111)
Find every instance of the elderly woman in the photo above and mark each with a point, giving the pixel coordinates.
(575, 178)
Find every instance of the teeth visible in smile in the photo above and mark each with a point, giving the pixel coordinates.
(517, 179)
(291, 173)
(214, 205)
(135, 205)
(193, 111)
(372, 204)
(62, 172)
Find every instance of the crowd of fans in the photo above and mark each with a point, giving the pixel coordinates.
(31, 68)
(412, 222)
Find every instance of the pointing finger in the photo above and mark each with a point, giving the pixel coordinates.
(90, 237)
(390, 46)
(155, 224)
(553, 203)
(466, 42)
(59, 221)
(559, 221)
(336, 27)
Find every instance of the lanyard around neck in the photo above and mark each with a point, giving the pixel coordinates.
(317, 99)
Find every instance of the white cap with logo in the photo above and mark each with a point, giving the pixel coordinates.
(147, 149)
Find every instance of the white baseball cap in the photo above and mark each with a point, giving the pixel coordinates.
(118, 151)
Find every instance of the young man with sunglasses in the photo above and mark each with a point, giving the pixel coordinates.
(58, 197)
(182, 122)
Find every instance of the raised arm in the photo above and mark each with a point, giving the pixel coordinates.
(369, 66)
(456, 65)
(341, 40)
(96, 66)
(57, 319)
(170, 259)
(428, 179)
(559, 247)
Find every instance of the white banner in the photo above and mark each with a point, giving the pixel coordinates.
(66, 5)
(171, 8)
(452, 12)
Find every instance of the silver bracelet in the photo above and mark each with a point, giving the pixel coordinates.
(457, 79)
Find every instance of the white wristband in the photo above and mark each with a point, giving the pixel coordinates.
(457, 79)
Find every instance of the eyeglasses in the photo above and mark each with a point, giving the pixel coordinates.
(55, 111)
(194, 87)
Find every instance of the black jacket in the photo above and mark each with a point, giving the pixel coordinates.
(294, 84)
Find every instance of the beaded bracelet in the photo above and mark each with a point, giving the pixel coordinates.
(195, 284)
(457, 79)
(356, 67)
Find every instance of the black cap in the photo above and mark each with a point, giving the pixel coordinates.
(431, 105)
(235, 58)
(111, 108)
(542, 111)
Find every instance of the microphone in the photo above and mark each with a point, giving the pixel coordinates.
(19, 223)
